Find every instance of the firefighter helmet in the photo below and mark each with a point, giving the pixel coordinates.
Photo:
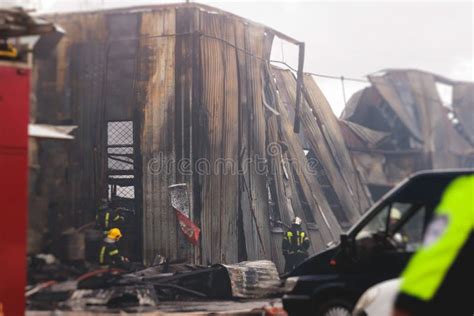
(297, 221)
(395, 214)
(114, 234)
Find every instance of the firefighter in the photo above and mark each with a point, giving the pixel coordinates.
(399, 237)
(109, 254)
(438, 277)
(108, 217)
(295, 245)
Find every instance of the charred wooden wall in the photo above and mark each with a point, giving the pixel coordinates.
(208, 111)
(70, 178)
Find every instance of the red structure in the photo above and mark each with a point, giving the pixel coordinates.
(14, 98)
(14, 117)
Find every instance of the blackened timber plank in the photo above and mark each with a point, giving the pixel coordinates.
(159, 222)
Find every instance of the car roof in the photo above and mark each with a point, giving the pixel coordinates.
(423, 186)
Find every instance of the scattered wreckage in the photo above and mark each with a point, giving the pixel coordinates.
(145, 290)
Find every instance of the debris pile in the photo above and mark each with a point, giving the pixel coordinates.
(409, 120)
(113, 289)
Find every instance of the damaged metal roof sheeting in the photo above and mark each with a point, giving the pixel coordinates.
(369, 137)
(396, 92)
(253, 279)
(191, 88)
(333, 171)
(114, 297)
(50, 131)
(463, 100)
(428, 119)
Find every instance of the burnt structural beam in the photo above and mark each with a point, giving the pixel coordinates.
(299, 87)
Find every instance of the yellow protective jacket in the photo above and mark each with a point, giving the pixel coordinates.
(439, 278)
(295, 241)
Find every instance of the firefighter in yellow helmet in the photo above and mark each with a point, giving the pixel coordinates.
(109, 254)
(295, 245)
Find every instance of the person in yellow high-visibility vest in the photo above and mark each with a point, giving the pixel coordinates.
(295, 245)
(438, 279)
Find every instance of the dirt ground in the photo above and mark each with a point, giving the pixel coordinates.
(189, 308)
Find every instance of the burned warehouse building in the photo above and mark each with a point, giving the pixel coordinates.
(186, 95)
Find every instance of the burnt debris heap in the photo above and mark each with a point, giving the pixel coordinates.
(186, 94)
(409, 120)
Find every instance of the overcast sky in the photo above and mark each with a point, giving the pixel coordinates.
(350, 38)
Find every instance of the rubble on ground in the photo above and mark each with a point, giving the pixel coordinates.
(146, 289)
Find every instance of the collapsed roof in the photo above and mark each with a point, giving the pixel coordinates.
(417, 120)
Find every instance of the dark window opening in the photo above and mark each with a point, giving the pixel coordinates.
(123, 181)
(120, 160)
(308, 214)
(275, 217)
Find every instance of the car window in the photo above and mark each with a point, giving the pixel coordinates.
(397, 212)
(401, 225)
(410, 235)
(376, 224)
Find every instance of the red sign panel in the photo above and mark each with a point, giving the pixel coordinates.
(14, 96)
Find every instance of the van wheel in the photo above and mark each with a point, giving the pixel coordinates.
(335, 307)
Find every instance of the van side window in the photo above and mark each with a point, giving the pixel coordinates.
(398, 226)
(411, 232)
(397, 211)
(376, 224)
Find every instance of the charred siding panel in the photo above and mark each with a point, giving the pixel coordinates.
(343, 176)
(231, 80)
(219, 96)
(71, 177)
(186, 23)
(120, 64)
(256, 44)
(446, 142)
(230, 129)
(328, 226)
(158, 87)
(405, 113)
(286, 197)
(463, 100)
(248, 235)
(276, 178)
(87, 165)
